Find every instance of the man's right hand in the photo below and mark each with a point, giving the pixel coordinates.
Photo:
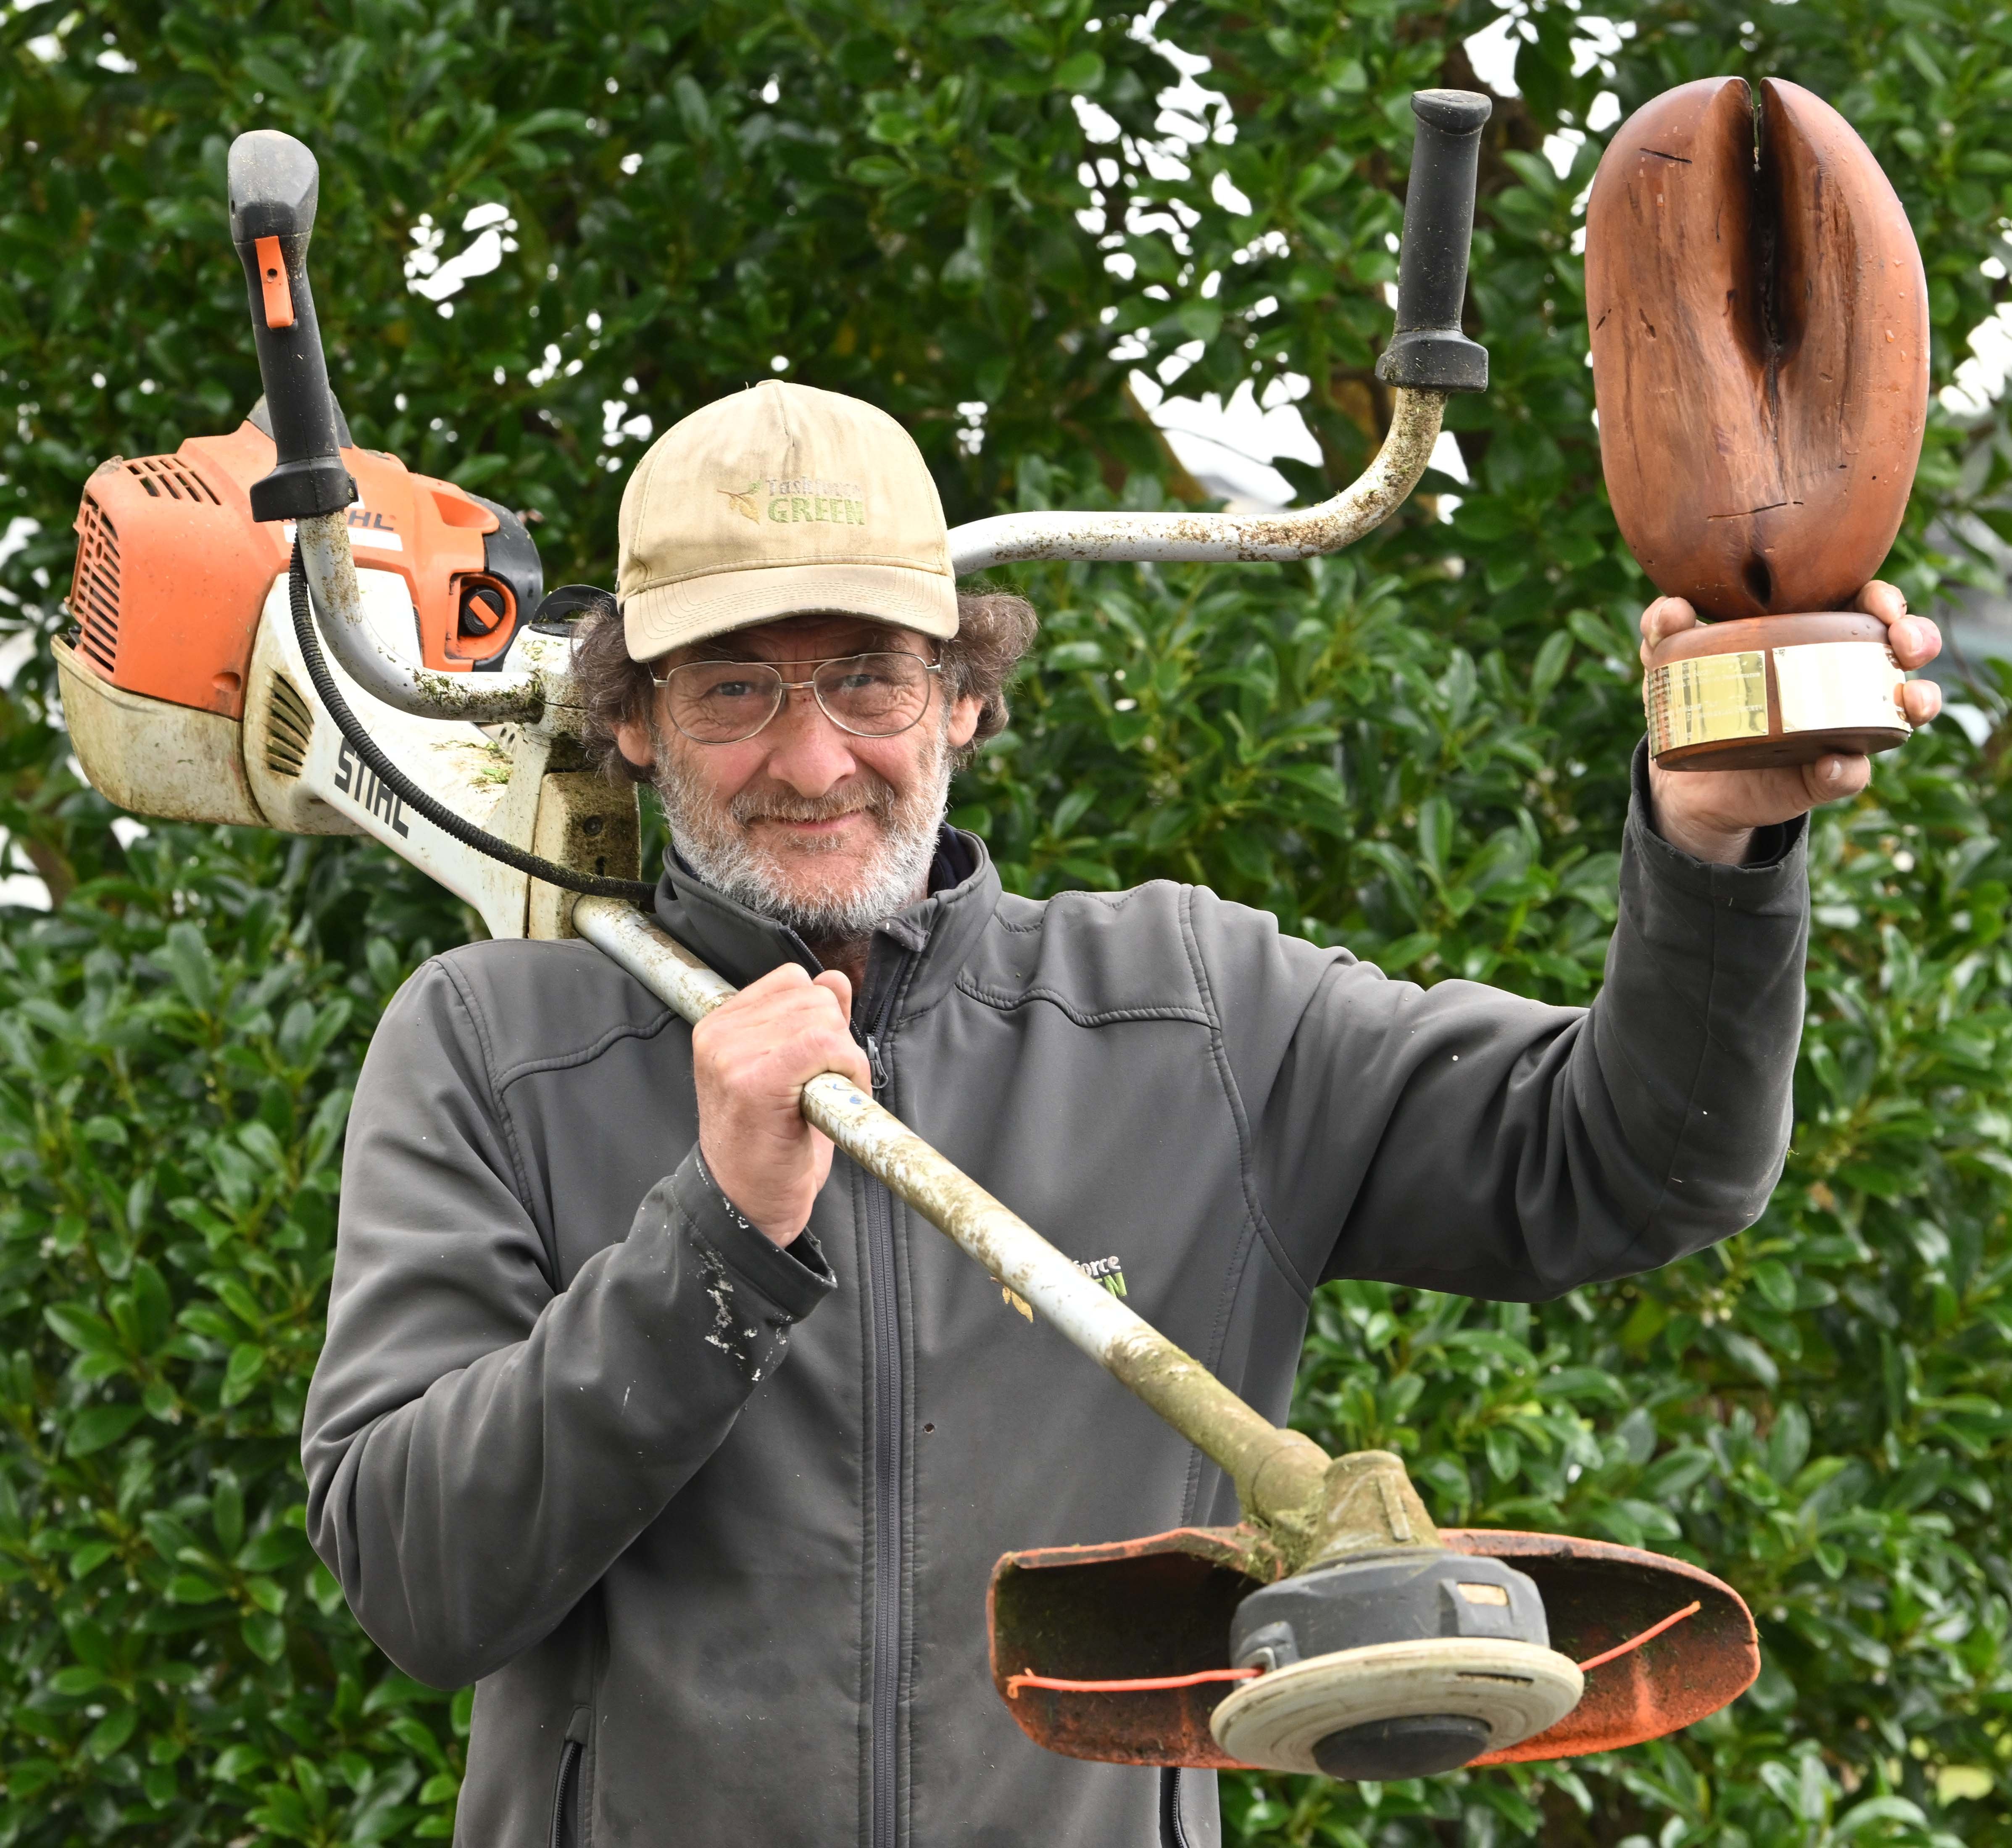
(752, 1057)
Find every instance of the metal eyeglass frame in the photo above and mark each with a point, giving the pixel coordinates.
(784, 688)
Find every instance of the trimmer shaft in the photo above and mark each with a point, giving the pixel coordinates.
(1401, 1664)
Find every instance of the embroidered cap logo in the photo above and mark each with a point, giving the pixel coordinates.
(799, 501)
(743, 499)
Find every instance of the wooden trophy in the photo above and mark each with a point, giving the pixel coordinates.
(1760, 325)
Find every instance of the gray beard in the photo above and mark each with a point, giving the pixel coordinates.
(718, 845)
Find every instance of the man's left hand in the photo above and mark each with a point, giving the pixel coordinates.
(1712, 814)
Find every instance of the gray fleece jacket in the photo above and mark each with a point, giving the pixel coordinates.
(708, 1524)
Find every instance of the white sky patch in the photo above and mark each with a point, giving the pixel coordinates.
(1979, 379)
(1227, 194)
(16, 650)
(429, 274)
(22, 888)
(1099, 125)
(1230, 447)
(25, 890)
(554, 363)
(971, 437)
(1974, 723)
(20, 529)
(617, 426)
(1188, 111)
(1595, 43)
(1493, 50)
(1561, 149)
(1447, 458)
(1179, 360)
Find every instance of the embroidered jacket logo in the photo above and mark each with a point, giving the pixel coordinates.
(799, 501)
(1109, 1272)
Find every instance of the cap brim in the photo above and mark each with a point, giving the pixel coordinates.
(694, 609)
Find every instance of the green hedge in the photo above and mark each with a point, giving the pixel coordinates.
(1418, 750)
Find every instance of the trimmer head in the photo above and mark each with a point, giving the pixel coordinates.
(1396, 1664)
(1167, 1606)
(1397, 1709)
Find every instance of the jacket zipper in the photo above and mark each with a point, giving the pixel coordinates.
(874, 1062)
(565, 1796)
(874, 1038)
(1173, 1832)
(885, 1360)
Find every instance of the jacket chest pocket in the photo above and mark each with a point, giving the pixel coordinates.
(566, 1797)
(568, 1829)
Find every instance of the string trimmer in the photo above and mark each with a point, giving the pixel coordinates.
(277, 628)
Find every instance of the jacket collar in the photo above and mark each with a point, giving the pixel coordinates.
(942, 929)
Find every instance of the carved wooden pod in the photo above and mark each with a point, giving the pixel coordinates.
(1760, 347)
(1760, 333)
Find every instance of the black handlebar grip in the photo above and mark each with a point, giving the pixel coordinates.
(274, 186)
(1429, 352)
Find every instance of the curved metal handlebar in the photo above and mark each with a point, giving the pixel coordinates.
(379, 668)
(1193, 538)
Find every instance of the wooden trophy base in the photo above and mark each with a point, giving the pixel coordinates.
(1768, 690)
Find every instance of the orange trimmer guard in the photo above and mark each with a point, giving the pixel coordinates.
(1160, 1608)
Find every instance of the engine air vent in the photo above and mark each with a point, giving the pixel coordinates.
(94, 596)
(289, 727)
(171, 477)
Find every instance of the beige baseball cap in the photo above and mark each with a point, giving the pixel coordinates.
(775, 502)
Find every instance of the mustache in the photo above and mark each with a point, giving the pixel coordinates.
(865, 794)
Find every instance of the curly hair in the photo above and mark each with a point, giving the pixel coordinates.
(994, 629)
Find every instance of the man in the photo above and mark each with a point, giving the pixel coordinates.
(689, 1445)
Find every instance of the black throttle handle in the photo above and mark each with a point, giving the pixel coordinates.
(274, 186)
(1429, 352)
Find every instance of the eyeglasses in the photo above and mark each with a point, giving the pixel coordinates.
(870, 696)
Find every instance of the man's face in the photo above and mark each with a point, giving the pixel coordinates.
(823, 830)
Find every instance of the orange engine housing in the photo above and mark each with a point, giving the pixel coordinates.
(173, 571)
